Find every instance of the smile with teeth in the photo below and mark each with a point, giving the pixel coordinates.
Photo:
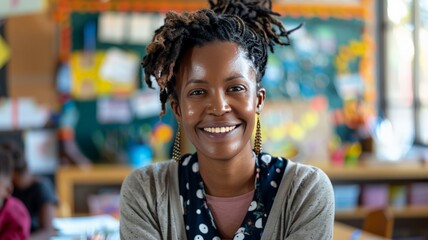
(219, 129)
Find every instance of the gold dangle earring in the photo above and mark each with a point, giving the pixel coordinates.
(258, 137)
(176, 152)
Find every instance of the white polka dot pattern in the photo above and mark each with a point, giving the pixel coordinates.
(199, 221)
(199, 194)
(203, 228)
(259, 223)
(266, 158)
(253, 206)
(239, 236)
(195, 167)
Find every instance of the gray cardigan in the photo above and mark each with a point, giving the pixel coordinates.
(150, 208)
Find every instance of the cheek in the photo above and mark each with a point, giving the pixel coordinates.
(188, 110)
(250, 104)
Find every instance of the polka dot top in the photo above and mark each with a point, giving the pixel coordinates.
(199, 221)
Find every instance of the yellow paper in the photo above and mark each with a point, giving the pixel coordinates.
(87, 81)
(4, 52)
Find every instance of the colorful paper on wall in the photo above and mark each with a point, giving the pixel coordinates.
(5, 113)
(119, 67)
(112, 27)
(88, 83)
(28, 107)
(146, 104)
(113, 110)
(14, 114)
(133, 28)
(15, 7)
(140, 26)
(4, 52)
(296, 130)
(41, 151)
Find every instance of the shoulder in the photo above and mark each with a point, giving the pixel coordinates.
(44, 189)
(16, 220)
(39, 185)
(298, 178)
(43, 183)
(306, 172)
(307, 175)
(15, 209)
(306, 181)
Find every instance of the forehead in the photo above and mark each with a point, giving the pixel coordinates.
(218, 57)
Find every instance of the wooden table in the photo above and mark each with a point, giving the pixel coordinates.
(345, 232)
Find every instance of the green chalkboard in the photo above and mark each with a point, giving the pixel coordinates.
(307, 67)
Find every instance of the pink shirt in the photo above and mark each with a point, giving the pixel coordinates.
(229, 213)
(14, 220)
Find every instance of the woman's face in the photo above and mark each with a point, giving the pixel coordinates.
(217, 99)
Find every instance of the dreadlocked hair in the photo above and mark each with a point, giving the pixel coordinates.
(251, 24)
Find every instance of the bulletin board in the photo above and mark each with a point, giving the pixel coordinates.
(89, 129)
(65, 8)
(73, 17)
(301, 73)
(332, 57)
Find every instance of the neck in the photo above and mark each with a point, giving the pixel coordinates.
(228, 178)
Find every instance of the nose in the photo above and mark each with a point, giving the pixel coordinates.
(219, 104)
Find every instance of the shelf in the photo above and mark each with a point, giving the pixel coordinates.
(374, 170)
(404, 212)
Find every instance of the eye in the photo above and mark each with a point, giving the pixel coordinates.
(196, 92)
(237, 88)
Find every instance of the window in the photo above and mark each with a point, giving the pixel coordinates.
(406, 78)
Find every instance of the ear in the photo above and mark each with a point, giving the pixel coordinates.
(176, 109)
(261, 96)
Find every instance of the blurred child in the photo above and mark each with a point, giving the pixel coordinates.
(37, 194)
(14, 217)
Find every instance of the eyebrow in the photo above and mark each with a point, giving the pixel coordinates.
(195, 81)
(205, 82)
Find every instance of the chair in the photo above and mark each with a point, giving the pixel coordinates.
(379, 222)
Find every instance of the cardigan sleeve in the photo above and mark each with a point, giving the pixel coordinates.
(138, 217)
(312, 208)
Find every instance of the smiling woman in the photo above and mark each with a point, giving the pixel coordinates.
(216, 90)
(209, 65)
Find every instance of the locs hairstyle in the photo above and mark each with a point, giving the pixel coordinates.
(251, 24)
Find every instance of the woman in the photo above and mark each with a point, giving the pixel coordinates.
(14, 217)
(209, 64)
(36, 192)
